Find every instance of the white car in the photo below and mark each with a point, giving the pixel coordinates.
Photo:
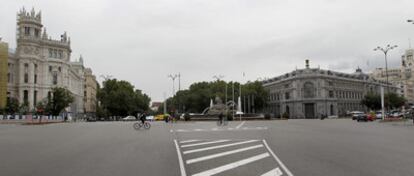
(129, 118)
(150, 118)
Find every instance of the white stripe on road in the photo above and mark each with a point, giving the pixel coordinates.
(277, 159)
(218, 146)
(241, 124)
(274, 172)
(204, 143)
(232, 165)
(222, 154)
(217, 130)
(188, 141)
(180, 159)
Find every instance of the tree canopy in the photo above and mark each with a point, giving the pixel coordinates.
(198, 96)
(120, 98)
(392, 100)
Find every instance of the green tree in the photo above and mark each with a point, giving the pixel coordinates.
(61, 98)
(199, 94)
(392, 100)
(12, 106)
(372, 101)
(120, 98)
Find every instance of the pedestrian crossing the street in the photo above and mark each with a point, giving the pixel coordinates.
(228, 157)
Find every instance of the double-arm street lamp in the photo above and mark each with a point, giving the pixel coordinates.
(385, 51)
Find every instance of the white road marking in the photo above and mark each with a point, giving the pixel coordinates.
(232, 165)
(188, 141)
(274, 172)
(225, 129)
(218, 146)
(180, 159)
(241, 124)
(171, 131)
(204, 143)
(222, 154)
(277, 159)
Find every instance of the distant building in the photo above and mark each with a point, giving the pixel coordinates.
(90, 90)
(313, 92)
(40, 63)
(402, 76)
(4, 53)
(155, 106)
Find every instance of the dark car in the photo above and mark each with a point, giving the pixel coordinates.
(356, 114)
(364, 118)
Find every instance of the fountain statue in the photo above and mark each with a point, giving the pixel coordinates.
(219, 107)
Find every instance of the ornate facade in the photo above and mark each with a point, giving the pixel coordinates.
(313, 92)
(40, 63)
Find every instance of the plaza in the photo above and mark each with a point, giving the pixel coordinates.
(302, 147)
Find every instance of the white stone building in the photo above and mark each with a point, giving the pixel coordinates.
(40, 63)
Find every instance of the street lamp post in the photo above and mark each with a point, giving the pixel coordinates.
(385, 51)
(173, 77)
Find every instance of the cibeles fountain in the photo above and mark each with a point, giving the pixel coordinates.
(219, 107)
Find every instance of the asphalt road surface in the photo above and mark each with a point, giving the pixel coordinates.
(287, 147)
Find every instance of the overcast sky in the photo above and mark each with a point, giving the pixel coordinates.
(143, 41)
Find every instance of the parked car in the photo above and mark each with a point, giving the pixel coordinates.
(161, 117)
(150, 118)
(396, 114)
(356, 114)
(364, 117)
(129, 118)
(378, 115)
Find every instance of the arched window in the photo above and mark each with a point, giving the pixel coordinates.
(287, 109)
(308, 90)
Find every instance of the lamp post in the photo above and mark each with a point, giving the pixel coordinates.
(173, 77)
(385, 51)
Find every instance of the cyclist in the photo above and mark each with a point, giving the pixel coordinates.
(143, 117)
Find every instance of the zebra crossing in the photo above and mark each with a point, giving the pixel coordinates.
(228, 157)
(219, 129)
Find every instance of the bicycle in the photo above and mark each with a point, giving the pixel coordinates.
(138, 125)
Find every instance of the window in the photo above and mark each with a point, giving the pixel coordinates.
(60, 69)
(26, 96)
(35, 78)
(55, 79)
(50, 52)
(26, 30)
(331, 94)
(287, 96)
(308, 90)
(60, 54)
(37, 32)
(330, 83)
(55, 53)
(8, 78)
(50, 68)
(26, 78)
